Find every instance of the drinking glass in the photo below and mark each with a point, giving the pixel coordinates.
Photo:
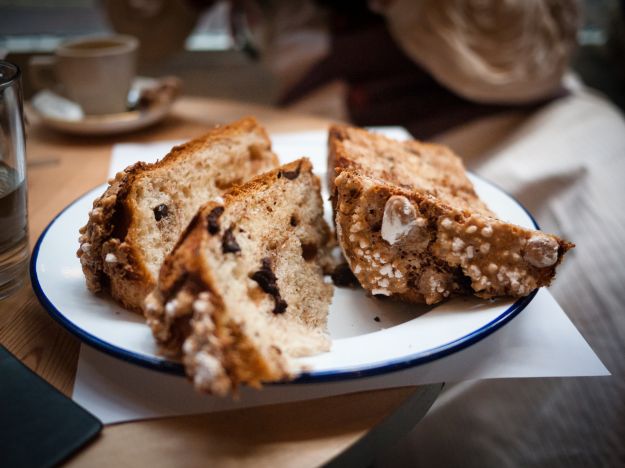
(13, 208)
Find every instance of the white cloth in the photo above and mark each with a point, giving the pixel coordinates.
(566, 163)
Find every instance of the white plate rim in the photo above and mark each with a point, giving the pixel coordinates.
(175, 368)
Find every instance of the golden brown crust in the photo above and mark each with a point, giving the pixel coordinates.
(219, 132)
(410, 164)
(428, 240)
(101, 237)
(111, 250)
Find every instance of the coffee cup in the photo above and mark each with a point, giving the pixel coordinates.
(94, 72)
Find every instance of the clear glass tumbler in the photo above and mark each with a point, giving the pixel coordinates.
(13, 207)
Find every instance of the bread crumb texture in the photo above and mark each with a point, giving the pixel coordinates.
(242, 315)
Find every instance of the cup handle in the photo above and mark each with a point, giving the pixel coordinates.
(42, 74)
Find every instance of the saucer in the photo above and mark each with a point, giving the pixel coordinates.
(149, 101)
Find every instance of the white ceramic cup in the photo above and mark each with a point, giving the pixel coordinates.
(95, 72)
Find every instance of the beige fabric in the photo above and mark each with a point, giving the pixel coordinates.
(488, 51)
(566, 163)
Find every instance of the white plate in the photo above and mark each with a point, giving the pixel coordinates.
(405, 335)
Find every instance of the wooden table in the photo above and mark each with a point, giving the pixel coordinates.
(345, 430)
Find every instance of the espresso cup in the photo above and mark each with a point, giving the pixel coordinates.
(94, 72)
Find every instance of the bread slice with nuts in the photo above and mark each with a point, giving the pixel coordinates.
(243, 293)
(138, 219)
(411, 226)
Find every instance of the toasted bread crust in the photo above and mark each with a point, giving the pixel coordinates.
(409, 164)
(421, 236)
(111, 251)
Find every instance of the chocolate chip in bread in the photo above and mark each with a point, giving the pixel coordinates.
(138, 219)
(243, 292)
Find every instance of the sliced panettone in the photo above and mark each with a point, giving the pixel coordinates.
(243, 293)
(136, 222)
(411, 226)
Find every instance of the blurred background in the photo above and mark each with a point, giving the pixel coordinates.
(211, 63)
(339, 60)
(207, 61)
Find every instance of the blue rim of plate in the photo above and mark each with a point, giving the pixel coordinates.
(370, 370)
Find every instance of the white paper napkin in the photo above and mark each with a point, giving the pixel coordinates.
(540, 342)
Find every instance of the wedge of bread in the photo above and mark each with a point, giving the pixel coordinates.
(411, 226)
(243, 291)
(136, 222)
